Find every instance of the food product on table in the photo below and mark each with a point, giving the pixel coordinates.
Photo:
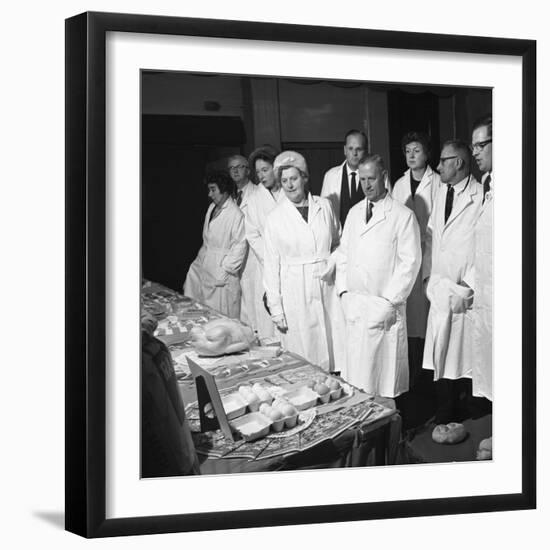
(333, 384)
(449, 434)
(275, 414)
(221, 336)
(264, 396)
(321, 389)
(253, 402)
(288, 410)
(245, 390)
(485, 450)
(265, 408)
(279, 402)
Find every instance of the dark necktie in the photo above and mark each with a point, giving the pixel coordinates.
(345, 197)
(486, 186)
(449, 201)
(369, 211)
(239, 197)
(357, 194)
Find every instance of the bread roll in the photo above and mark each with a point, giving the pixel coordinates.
(221, 337)
(449, 434)
(485, 449)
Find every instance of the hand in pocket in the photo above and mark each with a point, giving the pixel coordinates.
(381, 313)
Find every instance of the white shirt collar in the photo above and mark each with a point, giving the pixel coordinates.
(461, 186)
(378, 203)
(350, 171)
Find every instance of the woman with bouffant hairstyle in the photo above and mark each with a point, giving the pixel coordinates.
(417, 189)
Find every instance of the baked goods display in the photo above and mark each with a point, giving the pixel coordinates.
(258, 409)
(485, 449)
(221, 337)
(449, 434)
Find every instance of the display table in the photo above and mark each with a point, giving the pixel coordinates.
(354, 430)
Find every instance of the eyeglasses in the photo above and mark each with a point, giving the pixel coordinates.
(443, 159)
(238, 167)
(480, 145)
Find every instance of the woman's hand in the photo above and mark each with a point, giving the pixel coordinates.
(327, 274)
(280, 322)
(223, 281)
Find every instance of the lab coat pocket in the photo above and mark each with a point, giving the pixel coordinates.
(461, 299)
(380, 313)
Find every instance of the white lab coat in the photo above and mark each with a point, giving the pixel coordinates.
(482, 366)
(259, 204)
(377, 263)
(213, 277)
(448, 258)
(249, 272)
(422, 204)
(332, 187)
(296, 253)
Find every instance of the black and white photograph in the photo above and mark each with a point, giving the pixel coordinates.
(322, 249)
(293, 300)
(296, 273)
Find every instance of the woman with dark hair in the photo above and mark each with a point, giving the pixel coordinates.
(213, 278)
(300, 236)
(264, 198)
(417, 189)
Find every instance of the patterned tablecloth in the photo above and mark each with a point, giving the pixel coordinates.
(267, 365)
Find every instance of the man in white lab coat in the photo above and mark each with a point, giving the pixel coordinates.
(448, 258)
(237, 166)
(377, 263)
(482, 379)
(341, 183)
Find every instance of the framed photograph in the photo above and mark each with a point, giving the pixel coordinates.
(155, 103)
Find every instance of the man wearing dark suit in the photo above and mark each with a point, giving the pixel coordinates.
(341, 183)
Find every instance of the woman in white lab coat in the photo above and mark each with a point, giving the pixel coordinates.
(213, 278)
(264, 198)
(417, 189)
(300, 235)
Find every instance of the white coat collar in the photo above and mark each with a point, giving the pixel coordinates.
(277, 198)
(312, 203)
(424, 182)
(426, 178)
(246, 191)
(489, 195)
(378, 213)
(465, 191)
(248, 188)
(228, 203)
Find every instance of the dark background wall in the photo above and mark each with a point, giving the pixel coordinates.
(192, 123)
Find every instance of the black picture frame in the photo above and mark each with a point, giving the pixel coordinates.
(86, 268)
